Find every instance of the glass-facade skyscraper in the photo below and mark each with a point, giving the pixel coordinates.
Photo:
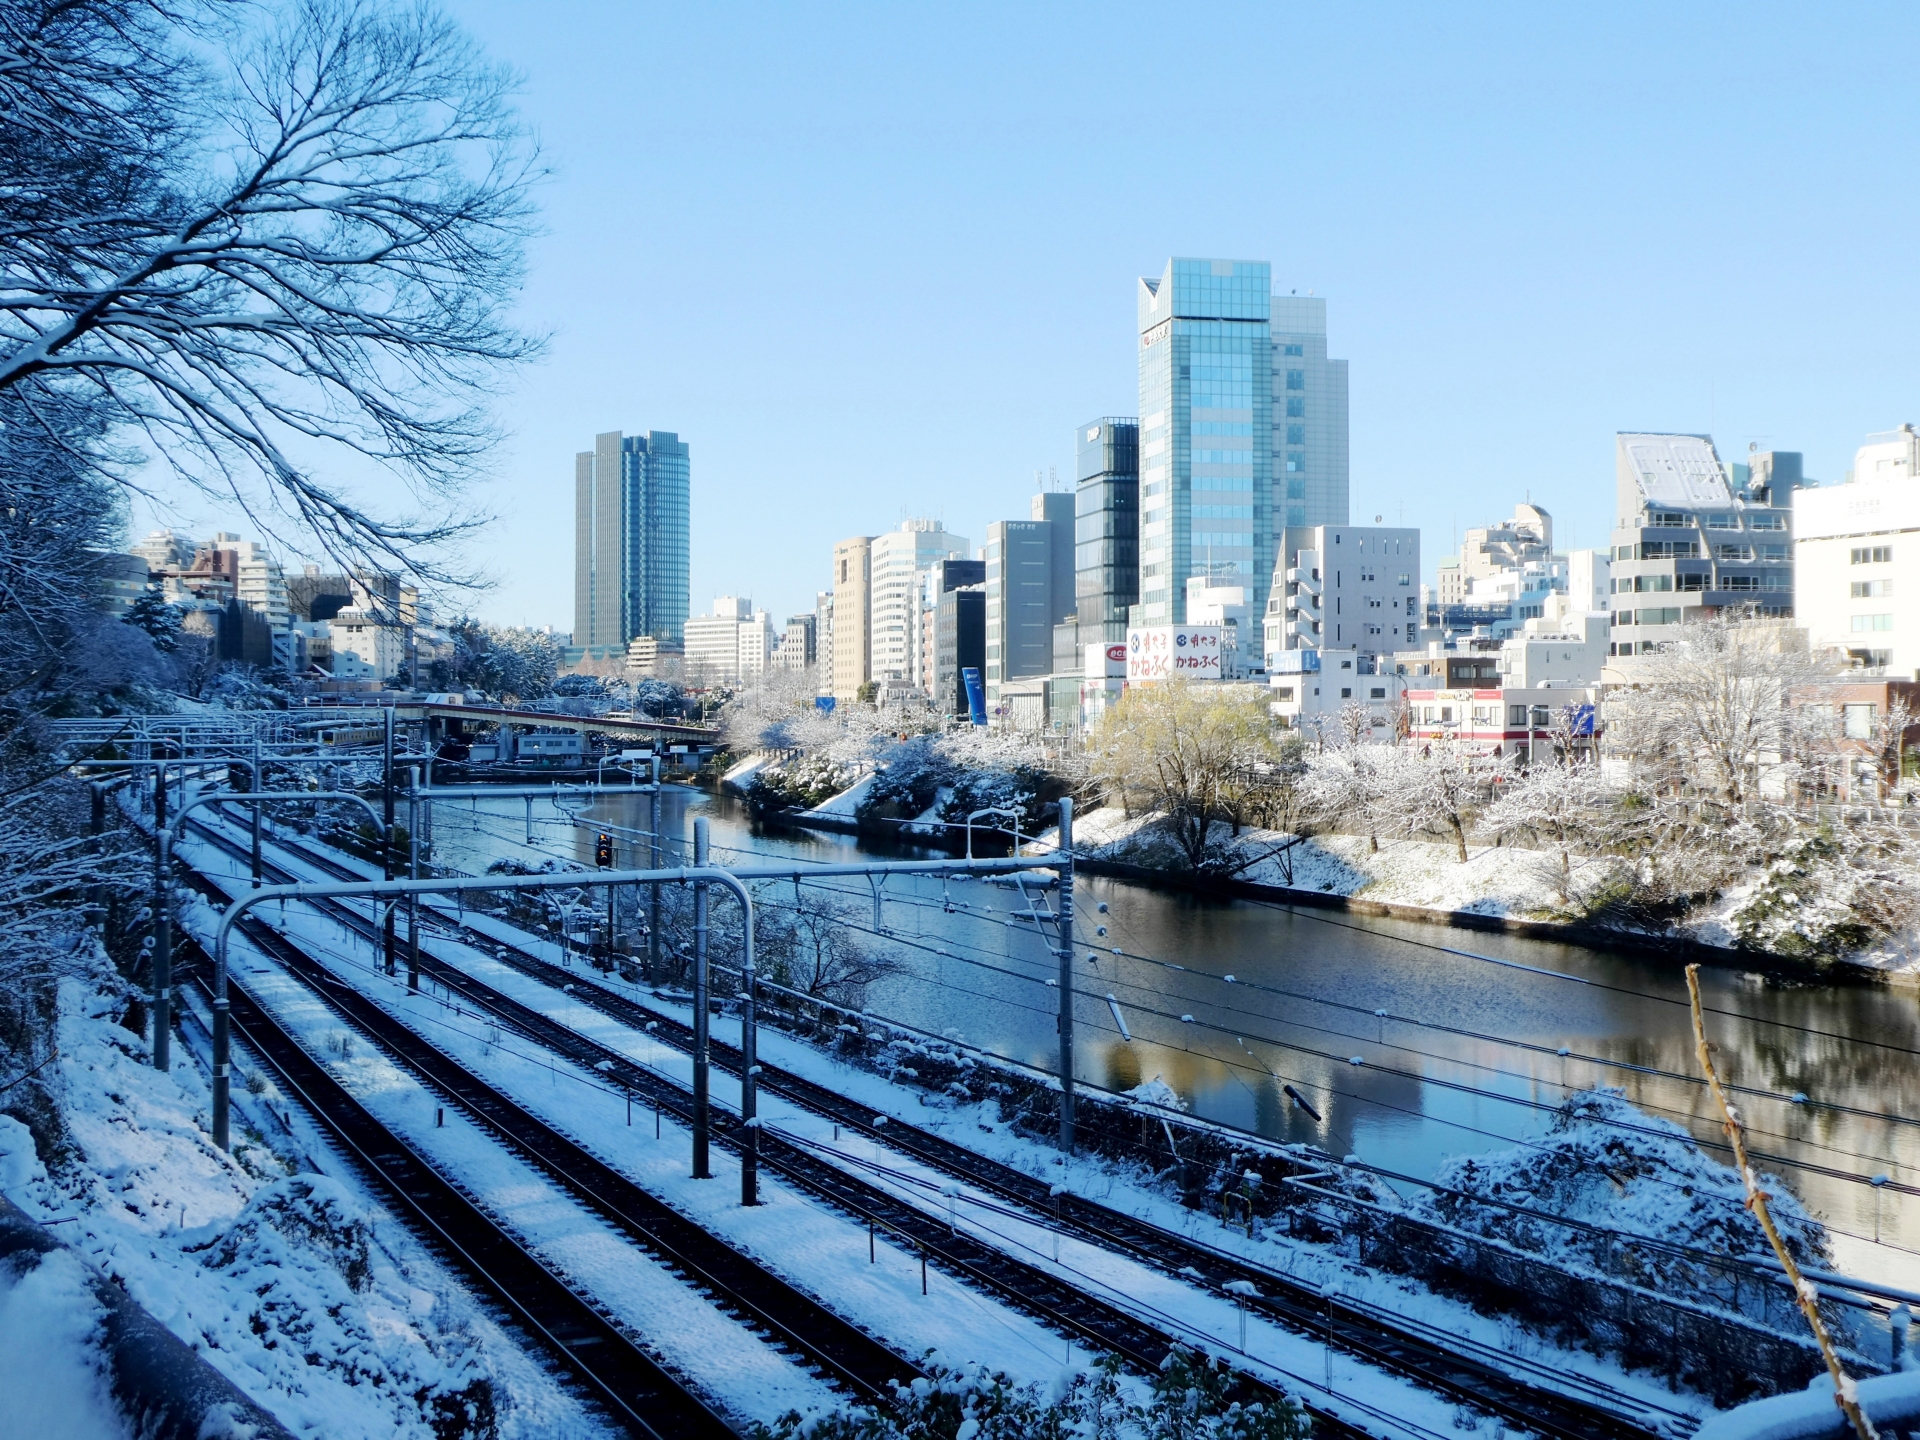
(631, 498)
(1242, 429)
(1106, 530)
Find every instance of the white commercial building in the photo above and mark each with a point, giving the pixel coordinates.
(1848, 541)
(364, 648)
(736, 643)
(1565, 647)
(1340, 587)
(1312, 687)
(901, 559)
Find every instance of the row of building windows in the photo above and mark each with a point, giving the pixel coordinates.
(1870, 589)
(1864, 623)
(1681, 520)
(1872, 555)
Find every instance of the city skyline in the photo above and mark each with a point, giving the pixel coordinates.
(936, 306)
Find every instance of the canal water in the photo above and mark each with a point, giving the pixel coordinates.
(1466, 1058)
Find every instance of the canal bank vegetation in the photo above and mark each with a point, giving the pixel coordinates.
(1700, 817)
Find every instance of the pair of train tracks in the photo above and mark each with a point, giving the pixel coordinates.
(1387, 1342)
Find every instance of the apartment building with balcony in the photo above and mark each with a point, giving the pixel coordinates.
(1694, 536)
(1344, 587)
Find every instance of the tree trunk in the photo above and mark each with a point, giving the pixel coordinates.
(1459, 837)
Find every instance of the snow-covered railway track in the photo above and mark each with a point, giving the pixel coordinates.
(778, 1311)
(585, 1344)
(1548, 1403)
(1090, 1320)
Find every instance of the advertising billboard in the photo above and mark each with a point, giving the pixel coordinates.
(1173, 652)
(1106, 662)
(976, 695)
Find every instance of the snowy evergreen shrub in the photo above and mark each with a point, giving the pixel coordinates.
(305, 1253)
(1674, 1210)
(797, 785)
(1188, 1399)
(907, 780)
(1807, 904)
(1023, 787)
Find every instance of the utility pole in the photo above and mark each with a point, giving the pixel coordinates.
(413, 873)
(749, 1070)
(162, 943)
(162, 929)
(386, 844)
(257, 785)
(1065, 956)
(702, 1170)
(653, 896)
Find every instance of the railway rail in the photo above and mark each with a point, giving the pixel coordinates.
(1387, 1342)
(584, 1343)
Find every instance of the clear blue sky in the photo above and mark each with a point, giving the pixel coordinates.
(880, 260)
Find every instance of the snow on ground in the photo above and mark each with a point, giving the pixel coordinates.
(50, 1363)
(844, 805)
(743, 770)
(1207, 1318)
(1496, 880)
(301, 1291)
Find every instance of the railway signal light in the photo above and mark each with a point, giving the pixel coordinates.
(603, 851)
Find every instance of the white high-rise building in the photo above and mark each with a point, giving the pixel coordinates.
(713, 646)
(757, 643)
(261, 585)
(901, 559)
(1849, 542)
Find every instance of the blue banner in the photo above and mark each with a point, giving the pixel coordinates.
(976, 695)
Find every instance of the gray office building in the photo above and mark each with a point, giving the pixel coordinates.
(1029, 590)
(1309, 417)
(631, 498)
(1106, 552)
(959, 643)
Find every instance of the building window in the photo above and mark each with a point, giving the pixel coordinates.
(1856, 722)
(1651, 582)
(1296, 379)
(1293, 350)
(1863, 623)
(1283, 692)
(1296, 407)
(1866, 589)
(1379, 692)
(1873, 555)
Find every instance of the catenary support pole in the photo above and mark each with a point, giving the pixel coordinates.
(653, 891)
(162, 944)
(386, 846)
(257, 786)
(413, 873)
(1066, 974)
(702, 1169)
(749, 1073)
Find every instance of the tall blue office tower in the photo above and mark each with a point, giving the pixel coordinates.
(1243, 429)
(631, 540)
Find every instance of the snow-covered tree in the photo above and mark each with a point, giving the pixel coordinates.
(1715, 711)
(1567, 804)
(1349, 778)
(151, 613)
(1189, 750)
(1439, 788)
(512, 662)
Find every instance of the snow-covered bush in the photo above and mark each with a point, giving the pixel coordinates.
(908, 779)
(1607, 1167)
(1826, 896)
(798, 784)
(1188, 1399)
(303, 1252)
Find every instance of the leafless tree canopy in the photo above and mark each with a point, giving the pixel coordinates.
(302, 248)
